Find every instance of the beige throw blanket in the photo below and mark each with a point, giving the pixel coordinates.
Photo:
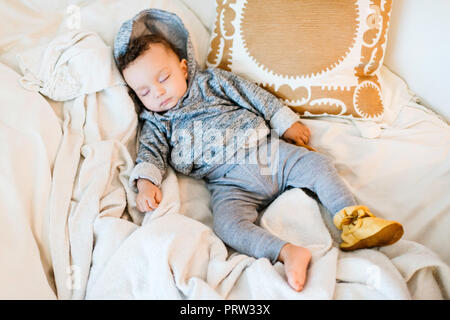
(102, 248)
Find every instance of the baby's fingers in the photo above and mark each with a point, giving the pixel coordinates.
(142, 205)
(305, 138)
(301, 140)
(305, 134)
(151, 202)
(158, 196)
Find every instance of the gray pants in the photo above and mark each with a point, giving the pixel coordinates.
(241, 189)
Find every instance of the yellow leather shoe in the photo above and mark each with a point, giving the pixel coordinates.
(361, 229)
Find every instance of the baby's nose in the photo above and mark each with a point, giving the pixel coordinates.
(159, 91)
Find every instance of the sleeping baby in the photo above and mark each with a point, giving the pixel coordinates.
(213, 125)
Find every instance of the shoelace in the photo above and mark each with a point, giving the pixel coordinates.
(352, 218)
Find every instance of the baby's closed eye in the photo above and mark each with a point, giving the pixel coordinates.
(164, 78)
(143, 93)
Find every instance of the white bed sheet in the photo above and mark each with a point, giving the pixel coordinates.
(29, 140)
(402, 171)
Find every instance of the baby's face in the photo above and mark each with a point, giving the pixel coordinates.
(158, 78)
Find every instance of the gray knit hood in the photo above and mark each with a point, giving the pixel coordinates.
(160, 22)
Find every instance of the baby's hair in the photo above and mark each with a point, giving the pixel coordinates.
(139, 45)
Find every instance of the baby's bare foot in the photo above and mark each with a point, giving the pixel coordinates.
(296, 260)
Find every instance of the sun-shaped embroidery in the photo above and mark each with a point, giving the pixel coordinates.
(367, 100)
(299, 38)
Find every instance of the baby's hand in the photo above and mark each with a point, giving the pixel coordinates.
(149, 196)
(298, 134)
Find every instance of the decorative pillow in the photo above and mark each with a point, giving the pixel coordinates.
(321, 57)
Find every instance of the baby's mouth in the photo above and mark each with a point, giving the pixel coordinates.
(165, 102)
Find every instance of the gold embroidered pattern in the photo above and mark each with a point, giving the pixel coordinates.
(282, 50)
(220, 48)
(320, 57)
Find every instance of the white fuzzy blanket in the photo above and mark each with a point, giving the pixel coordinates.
(175, 255)
(102, 248)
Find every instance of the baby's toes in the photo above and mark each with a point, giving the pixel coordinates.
(297, 282)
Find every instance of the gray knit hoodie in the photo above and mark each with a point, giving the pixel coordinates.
(219, 114)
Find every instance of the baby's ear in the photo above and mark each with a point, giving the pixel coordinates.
(184, 67)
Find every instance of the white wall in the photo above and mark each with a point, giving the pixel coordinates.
(418, 50)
